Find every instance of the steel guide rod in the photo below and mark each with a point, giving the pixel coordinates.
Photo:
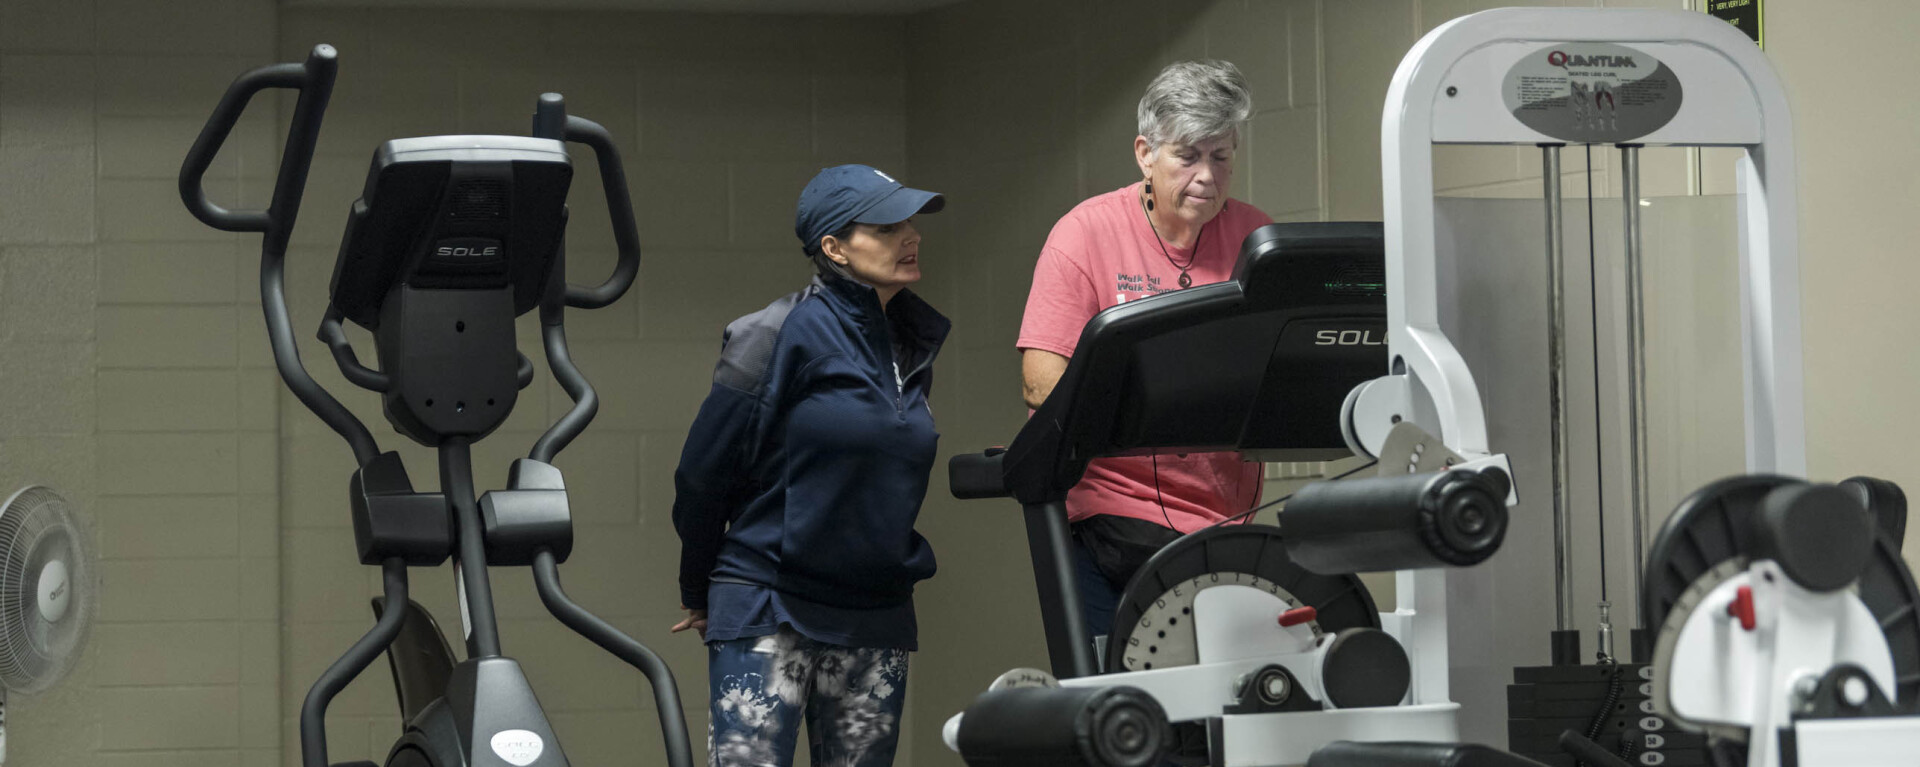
(1636, 361)
(1557, 385)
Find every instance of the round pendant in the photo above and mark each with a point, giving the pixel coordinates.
(1186, 281)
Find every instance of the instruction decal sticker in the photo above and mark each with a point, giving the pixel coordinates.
(1592, 92)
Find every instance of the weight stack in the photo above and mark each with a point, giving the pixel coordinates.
(1544, 701)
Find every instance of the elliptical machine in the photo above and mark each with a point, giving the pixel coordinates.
(453, 237)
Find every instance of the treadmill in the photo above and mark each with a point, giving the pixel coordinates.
(1262, 364)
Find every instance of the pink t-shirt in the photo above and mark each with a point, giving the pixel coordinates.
(1103, 253)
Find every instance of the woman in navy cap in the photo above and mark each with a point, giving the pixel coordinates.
(800, 482)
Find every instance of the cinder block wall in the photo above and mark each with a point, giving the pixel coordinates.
(131, 375)
(134, 375)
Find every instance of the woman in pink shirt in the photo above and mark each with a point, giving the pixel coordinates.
(1176, 228)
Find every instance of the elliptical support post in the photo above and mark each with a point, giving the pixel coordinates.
(476, 591)
(313, 713)
(666, 693)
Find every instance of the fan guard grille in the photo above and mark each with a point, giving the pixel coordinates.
(37, 529)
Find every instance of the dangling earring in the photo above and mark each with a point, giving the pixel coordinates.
(1149, 194)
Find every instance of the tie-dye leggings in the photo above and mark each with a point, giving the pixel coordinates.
(764, 687)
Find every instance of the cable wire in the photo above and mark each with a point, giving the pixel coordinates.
(1284, 498)
(1593, 305)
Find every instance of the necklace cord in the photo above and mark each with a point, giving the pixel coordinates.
(1191, 257)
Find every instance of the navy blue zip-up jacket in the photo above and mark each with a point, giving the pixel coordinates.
(807, 464)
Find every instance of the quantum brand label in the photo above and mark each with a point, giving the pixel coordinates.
(1591, 92)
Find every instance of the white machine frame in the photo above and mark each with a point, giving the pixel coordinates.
(1471, 54)
(1449, 90)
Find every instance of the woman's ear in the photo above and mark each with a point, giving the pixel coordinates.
(834, 248)
(1143, 155)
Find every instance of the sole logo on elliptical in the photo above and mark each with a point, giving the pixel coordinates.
(519, 747)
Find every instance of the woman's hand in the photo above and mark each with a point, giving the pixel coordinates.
(696, 620)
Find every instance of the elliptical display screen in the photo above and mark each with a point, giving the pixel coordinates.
(454, 212)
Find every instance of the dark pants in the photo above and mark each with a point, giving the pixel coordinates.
(1098, 597)
(1107, 552)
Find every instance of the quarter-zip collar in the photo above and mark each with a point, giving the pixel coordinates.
(920, 325)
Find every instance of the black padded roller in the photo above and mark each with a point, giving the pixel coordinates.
(1366, 667)
(1452, 518)
(1887, 502)
(1065, 727)
(1819, 534)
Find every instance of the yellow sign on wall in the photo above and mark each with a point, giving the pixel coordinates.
(1744, 15)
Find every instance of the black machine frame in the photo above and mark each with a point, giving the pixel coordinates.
(1260, 364)
(527, 524)
(1107, 403)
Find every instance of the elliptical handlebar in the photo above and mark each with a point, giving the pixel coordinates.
(550, 120)
(314, 80)
(626, 235)
(335, 337)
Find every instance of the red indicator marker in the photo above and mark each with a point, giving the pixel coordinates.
(1297, 616)
(1742, 607)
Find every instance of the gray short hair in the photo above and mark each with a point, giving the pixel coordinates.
(1193, 101)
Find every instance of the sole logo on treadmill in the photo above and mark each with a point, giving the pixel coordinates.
(1347, 338)
(519, 747)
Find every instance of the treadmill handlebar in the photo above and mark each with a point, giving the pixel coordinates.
(978, 475)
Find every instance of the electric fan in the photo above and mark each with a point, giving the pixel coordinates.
(46, 593)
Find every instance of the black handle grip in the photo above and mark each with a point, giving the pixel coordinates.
(978, 475)
(1452, 518)
(314, 80)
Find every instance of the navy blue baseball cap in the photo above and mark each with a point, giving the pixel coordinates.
(856, 194)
